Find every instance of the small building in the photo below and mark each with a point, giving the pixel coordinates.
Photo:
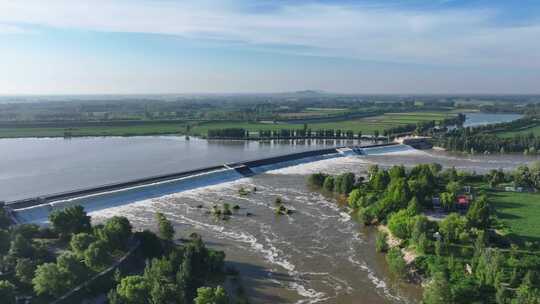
(463, 201)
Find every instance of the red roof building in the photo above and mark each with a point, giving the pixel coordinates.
(462, 201)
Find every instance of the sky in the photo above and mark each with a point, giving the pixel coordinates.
(250, 46)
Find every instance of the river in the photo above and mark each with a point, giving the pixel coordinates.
(482, 119)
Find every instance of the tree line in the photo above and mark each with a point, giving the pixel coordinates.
(173, 274)
(484, 139)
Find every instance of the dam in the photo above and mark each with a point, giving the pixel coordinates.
(36, 209)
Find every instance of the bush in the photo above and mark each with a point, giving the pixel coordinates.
(399, 224)
(70, 220)
(97, 256)
(328, 184)
(316, 179)
(80, 242)
(24, 270)
(380, 241)
(7, 292)
(396, 263)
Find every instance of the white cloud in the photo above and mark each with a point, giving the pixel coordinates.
(454, 38)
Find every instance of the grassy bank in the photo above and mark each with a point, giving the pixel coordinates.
(367, 125)
(520, 212)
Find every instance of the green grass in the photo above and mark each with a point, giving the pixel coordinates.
(534, 129)
(520, 212)
(367, 125)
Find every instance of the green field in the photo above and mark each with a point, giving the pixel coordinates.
(520, 212)
(535, 130)
(367, 125)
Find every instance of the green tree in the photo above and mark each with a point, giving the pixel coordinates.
(24, 270)
(7, 292)
(453, 187)
(478, 213)
(116, 232)
(452, 226)
(316, 179)
(380, 241)
(400, 224)
(75, 271)
(353, 198)
(5, 241)
(448, 201)
(70, 220)
(97, 256)
(80, 242)
(397, 172)
(208, 295)
(329, 184)
(396, 263)
(133, 290)
(437, 291)
(380, 180)
(49, 279)
(166, 229)
(522, 176)
(344, 183)
(21, 247)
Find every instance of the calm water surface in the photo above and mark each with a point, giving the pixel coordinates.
(482, 119)
(30, 167)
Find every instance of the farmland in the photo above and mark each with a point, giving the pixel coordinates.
(366, 125)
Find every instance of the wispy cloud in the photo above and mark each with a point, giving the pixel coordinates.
(375, 33)
(8, 29)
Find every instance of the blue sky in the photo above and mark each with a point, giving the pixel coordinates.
(174, 46)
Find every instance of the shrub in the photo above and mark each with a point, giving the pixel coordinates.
(380, 241)
(328, 184)
(7, 292)
(24, 270)
(400, 224)
(316, 179)
(396, 263)
(70, 220)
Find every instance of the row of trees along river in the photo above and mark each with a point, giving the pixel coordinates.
(306, 132)
(485, 139)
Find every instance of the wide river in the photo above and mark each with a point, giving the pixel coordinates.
(319, 254)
